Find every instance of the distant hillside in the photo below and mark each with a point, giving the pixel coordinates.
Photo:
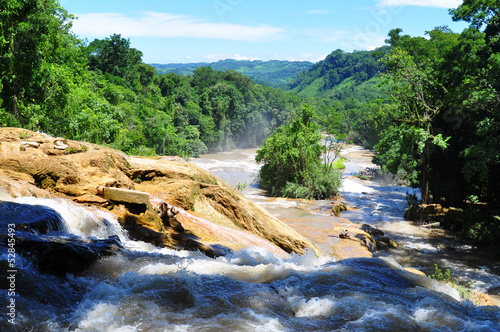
(273, 73)
(338, 72)
(347, 91)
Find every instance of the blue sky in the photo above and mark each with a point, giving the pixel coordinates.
(185, 31)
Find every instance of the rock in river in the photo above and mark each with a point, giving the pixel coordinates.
(40, 235)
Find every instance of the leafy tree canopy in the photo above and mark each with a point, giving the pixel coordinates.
(292, 163)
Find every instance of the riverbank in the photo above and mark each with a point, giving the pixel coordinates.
(474, 223)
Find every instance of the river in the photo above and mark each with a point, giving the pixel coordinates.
(379, 203)
(146, 288)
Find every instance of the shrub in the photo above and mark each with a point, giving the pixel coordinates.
(292, 161)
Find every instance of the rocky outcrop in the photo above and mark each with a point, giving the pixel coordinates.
(358, 240)
(210, 212)
(424, 213)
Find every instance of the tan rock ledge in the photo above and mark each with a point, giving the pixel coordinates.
(124, 195)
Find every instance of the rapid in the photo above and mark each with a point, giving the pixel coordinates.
(145, 288)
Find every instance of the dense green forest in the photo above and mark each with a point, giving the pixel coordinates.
(274, 73)
(429, 106)
(347, 91)
(445, 133)
(102, 92)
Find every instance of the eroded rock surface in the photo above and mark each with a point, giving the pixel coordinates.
(211, 213)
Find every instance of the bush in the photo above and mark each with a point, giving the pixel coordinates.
(292, 161)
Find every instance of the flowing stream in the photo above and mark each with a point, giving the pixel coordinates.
(379, 203)
(146, 288)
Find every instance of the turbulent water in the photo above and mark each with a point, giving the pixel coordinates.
(145, 288)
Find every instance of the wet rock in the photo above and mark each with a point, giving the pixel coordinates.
(337, 208)
(77, 172)
(91, 200)
(28, 144)
(61, 253)
(381, 240)
(145, 227)
(40, 235)
(356, 240)
(36, 219)
(424, 212)
(60, 145)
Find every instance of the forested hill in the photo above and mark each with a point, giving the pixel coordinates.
(337, 68)
(274, 73)
(346, 89)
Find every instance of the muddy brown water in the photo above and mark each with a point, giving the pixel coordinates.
(379, 203)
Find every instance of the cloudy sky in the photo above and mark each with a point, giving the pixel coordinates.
(168, 31)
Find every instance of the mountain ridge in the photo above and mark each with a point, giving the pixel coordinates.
(274, 73)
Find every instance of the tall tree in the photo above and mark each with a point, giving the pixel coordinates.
(411, 70)
(292, 161)
(113, 55)
(480, 97)
(32, 33)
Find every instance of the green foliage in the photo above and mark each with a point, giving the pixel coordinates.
(241, 186)
(346, 90)
(464, 292)
(292, 161)
(444, 135)
(103, 93)
(439, 275)
(476, 12)
(412, 200)
(34, 40)
(339, 163)
(113, 56)
(338, 66)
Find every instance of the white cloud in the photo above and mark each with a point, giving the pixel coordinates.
(422, 3)
(219, 56)
(154, 24)
(289, 56)
(318, 11)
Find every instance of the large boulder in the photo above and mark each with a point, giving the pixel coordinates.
(39, 234)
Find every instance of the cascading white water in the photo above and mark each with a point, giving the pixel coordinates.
(145, 288)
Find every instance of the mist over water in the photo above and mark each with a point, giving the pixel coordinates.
(146, 288)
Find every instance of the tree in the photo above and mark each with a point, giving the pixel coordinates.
(476, 12)
(33, 37)
(113, 55)
(416, 91)
(292, 161)
(478, 104)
